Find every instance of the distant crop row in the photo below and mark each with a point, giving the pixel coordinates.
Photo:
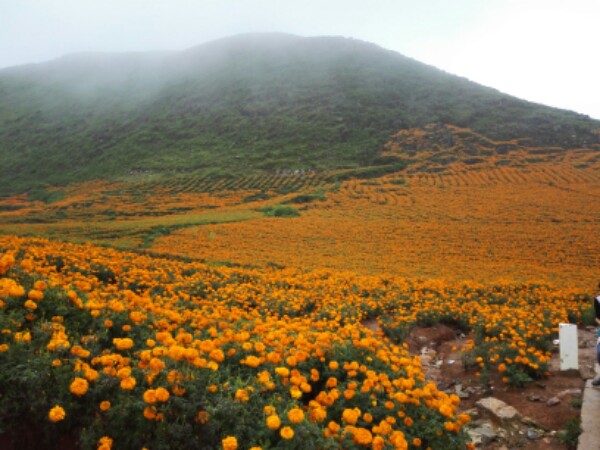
(285, 182)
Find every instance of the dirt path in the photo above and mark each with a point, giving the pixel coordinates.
(545, 406)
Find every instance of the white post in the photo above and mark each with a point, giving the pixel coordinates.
(569, 347)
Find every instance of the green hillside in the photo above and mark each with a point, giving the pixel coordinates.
(245, 104)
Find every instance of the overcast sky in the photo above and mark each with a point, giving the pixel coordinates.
(547, 51)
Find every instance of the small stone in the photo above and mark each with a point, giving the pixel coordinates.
(553, 401)
(473, 413)
(568, 392)
(532, 423)
(502, 434)
(532, 434)
(534, 398)
(483, 434)
(498, 408)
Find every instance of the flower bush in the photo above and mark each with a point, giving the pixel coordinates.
(196, 356)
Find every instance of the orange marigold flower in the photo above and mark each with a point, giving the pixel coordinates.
(350, 416)
(282, 371)
(127, 384)
(105, 405)
(295, 415)
(229, 443)
(150, 396)
(362, 436)
(40, 285)
(450, 426)
(273, 422)
(123, 343)
(105, 443)
(150, 412)
(241, 395)
(295, 392)
(202, 417)
(378, 443)
(251, 361)
(30, 305)
(178, 390)
(218, 356)
(56, 414)
(318, 414)
(162, 395)
(286, 433)
(79, 386)
(36, 295)
(16, 291)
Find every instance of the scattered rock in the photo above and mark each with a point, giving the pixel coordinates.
(483, 434)
(568, 392)
(428, 356)
(502, 434)
(422, 340)
(532, 434)
(498, 408)
(535, 398)
(462, 394)
(553, 401)
(532, 423)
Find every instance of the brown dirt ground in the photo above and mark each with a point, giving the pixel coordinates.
(530, 400)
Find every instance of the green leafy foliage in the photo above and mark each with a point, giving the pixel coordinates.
(280, 211)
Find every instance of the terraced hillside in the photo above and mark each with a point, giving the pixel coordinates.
(457, 206)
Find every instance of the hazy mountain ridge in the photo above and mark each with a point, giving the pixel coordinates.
(249, 103)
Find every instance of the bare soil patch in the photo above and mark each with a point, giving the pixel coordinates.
(440, 349)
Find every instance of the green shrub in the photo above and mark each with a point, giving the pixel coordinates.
(280, 211)
(570, 435)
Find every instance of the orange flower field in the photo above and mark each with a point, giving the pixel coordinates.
(224, 312)
(191, 353)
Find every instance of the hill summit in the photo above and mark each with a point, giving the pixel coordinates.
(247, 104)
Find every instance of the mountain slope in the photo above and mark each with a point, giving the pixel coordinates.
(244, 104)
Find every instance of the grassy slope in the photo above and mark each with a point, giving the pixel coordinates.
(244, 104)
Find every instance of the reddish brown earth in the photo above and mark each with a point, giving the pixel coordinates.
(530, 401)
